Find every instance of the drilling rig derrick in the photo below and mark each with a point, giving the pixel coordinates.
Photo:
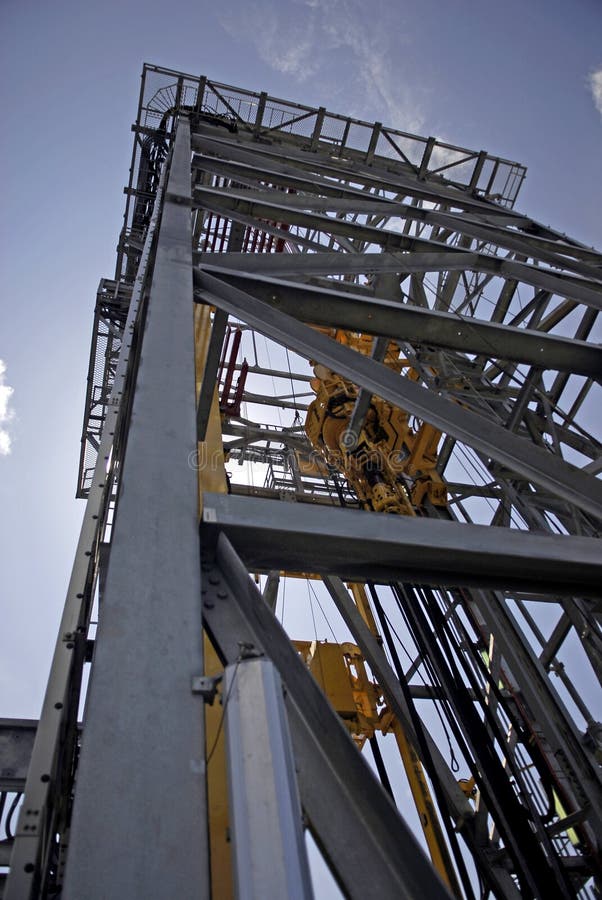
(338, 386)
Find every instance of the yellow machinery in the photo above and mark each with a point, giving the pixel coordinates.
(389, 464)
(340, 671)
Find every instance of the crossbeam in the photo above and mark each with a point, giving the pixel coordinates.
(363, 546)
(402, 322)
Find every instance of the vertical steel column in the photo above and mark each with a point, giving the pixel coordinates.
(139, 823)
(270, 859)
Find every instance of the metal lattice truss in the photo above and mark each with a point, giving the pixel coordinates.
(494, 309)
(305, 224)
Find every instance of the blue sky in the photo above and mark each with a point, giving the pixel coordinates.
(513, 78)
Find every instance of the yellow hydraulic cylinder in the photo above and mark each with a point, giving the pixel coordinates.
(222, 887)
(427, 812)
(209, 460)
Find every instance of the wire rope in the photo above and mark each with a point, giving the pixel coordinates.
(317, 599)
(223, 715)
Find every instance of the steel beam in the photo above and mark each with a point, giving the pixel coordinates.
(139, 822)
(270, 591)
(552, 646)
(328, 262)
(270, 859)
(361, 546)
(519, 455)
(380, 316)
(243, 207)
(251, 175)
(472, 225)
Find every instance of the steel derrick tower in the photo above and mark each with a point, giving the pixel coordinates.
(340, 349)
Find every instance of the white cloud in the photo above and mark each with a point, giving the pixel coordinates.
(373, 42)
(284, 43)
(348, 49)
(6, 413)
(595, 83)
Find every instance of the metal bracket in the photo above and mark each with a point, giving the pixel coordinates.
(180, 199)
(249, 651)
(206, 686)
